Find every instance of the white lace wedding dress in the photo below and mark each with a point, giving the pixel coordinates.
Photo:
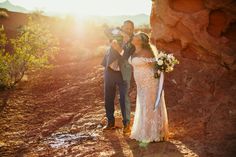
(149, 125)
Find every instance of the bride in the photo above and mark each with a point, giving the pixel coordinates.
(149, 125)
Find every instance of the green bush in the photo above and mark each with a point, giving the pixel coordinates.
(33, 47)
(3, 14)
(3, 65)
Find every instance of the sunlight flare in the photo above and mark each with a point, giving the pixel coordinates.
(88, 7)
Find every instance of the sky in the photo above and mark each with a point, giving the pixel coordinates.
(88, 7)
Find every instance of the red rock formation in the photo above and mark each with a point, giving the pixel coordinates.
(201, 91)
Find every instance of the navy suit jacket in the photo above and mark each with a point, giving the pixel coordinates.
(112, 55)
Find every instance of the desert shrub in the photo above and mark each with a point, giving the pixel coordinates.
(3, 40)
(3, 14)
(32, 49)
(4, 9)
(3, 66)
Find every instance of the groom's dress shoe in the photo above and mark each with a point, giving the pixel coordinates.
(127, 129)
(109, 126)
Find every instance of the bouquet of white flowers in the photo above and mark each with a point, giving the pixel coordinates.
(164, 63)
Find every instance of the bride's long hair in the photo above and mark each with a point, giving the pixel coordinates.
(146, 44)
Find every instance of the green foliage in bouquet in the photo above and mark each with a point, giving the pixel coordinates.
(32, 49)
(165, 63)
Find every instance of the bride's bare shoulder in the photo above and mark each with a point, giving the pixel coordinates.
(147, 54)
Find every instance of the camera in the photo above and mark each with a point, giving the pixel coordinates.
(114, 34)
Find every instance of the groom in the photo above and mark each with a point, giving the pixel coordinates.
(118, 73)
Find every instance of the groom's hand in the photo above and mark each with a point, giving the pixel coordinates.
(116, 46)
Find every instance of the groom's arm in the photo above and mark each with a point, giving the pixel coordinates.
(126, 50)
(129, 50)
(116, 51)
(112, 58)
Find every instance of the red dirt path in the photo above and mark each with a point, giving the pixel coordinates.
(60, 112)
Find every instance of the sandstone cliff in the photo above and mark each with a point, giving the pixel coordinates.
(201, 93)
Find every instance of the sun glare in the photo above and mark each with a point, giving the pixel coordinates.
(83, 8)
